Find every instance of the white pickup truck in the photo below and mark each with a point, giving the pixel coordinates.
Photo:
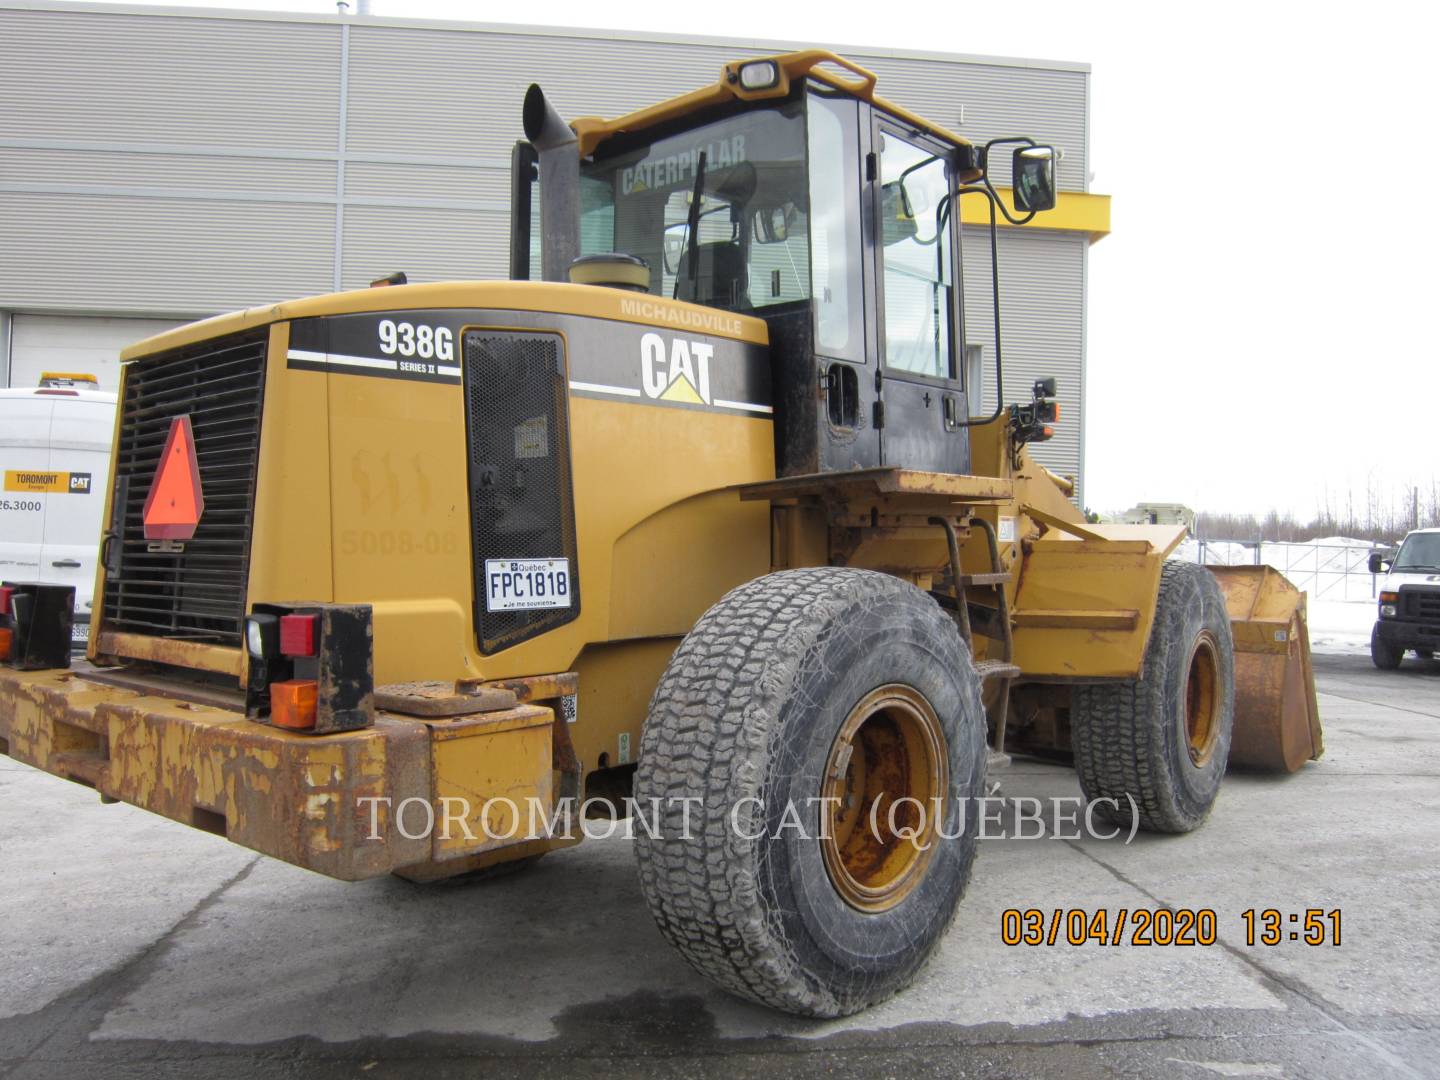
(54, 460)
(1409, 616)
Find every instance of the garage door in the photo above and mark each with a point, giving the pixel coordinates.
(73, 343)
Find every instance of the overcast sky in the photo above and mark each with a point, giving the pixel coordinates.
(1261, 318)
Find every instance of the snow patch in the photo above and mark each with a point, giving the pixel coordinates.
(1341, 626)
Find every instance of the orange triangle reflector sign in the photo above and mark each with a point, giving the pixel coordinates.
(175, 503)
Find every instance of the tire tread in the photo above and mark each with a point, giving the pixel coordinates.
(708, 734)
(1118, 729)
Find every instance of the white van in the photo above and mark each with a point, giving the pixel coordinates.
(54, 459)
(1409, 600)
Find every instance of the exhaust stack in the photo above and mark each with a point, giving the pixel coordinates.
(559, 184)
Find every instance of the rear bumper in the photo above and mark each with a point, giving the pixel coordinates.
(1403, 634)
(327, 803)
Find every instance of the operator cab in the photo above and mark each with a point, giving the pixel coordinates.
(791, 193)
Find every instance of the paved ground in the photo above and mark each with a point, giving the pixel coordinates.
(135, 948)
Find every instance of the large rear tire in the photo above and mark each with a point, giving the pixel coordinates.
(1383, 655)
(1159, 743)
(796, 688)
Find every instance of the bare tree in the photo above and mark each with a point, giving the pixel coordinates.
(1389, 513)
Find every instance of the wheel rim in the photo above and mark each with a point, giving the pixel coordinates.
(890, 748)
(1202, 699)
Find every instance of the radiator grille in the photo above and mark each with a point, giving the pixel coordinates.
(521, 502)
(1420, 603)
(197, 594)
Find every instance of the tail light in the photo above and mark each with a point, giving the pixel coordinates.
(35, 624)
(1036, 421)
(293, 704)
(297, 635)
(311, 667)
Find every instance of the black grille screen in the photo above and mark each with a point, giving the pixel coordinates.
(521, 504)
(1420, 603)
(198, 592)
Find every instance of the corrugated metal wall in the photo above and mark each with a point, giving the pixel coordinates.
(187, 163)
(159, 163)
(1042, 324)
(44, 343)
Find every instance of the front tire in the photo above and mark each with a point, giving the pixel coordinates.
(772, 895)
(1384, 655)
(1160, 742)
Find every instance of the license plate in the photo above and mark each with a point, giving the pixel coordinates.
(80, 631)
(523, 584)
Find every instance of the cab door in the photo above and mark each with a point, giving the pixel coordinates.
(916, 245)
(842, 275)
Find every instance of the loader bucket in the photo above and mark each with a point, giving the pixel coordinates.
(1277, 722)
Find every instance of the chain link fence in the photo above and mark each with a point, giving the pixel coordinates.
(1326, 569)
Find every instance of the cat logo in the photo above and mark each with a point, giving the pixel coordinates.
(39, 483)
(680, 373)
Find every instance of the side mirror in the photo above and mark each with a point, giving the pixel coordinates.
(1379, 564)
(1032, 173)
(772, 225)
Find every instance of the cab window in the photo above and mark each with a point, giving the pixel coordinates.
(835, 274)
(750, 248)
(917, 258)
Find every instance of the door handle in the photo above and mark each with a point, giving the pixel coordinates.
(67, 564)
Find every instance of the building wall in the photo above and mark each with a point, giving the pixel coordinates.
(88, 344)
(175, 162)
(1042, 322)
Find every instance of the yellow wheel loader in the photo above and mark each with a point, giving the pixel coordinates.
(704, 523)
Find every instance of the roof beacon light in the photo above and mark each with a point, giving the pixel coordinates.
(53, 379)
(760, 75)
